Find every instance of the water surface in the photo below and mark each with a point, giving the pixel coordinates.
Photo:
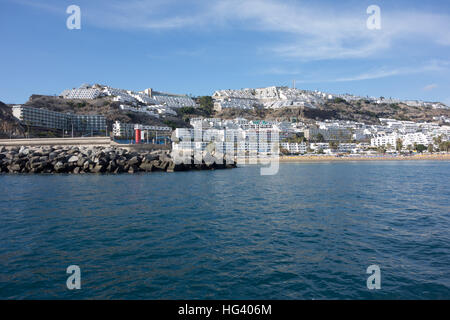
(309, 232)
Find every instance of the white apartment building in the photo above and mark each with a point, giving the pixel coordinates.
(270, 97)
(87, 93)
(329, 134)
(383, 140)
(122, 129)
(294, 148)
(44, 118)
(408, 139)
(145, 109)
(251, 141)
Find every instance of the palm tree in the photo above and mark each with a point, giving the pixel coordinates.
(320, 137)
(381, 149)
(399, 144)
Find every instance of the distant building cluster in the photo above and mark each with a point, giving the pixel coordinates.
(281, 97)
(328, 137)
(270, 97)
(408, 133)
(148, 101)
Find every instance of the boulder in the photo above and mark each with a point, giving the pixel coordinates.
(147, 167)
(24, 151)
(171, 166)
(98, 168)
(14, 168)
(59, 167)
(134, 161)
(80, 161)
(132, 169)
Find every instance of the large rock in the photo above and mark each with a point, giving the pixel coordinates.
(150, 157)
(93, 159)
(134, 161)
(14, 168)
(73, 159)
(24, 151)
(147, 167)
(132, 169)
(99, 168)
(171, 166)
(59, 167)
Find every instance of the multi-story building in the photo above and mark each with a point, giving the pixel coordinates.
(48, 119)
(126, 130)
(294, 148)
(408, 139)
(81, 93)
(329, 134)
(239, 141)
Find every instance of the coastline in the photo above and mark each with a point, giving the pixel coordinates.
(327, 158)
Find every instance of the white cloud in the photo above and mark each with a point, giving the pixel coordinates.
(384, 72)
(278, 71)
(430, 87)
(296, 29)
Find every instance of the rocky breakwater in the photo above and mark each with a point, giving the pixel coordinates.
(79, 160)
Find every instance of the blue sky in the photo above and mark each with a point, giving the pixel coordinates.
(196, 47)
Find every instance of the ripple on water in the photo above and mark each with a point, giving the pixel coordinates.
(309, 232)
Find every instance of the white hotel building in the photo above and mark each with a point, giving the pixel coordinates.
(294, 148)
(240, 141)
(126, 130)
(48, 119)
(408, 139)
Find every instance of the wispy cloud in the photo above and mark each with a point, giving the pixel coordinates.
(312, 31)
(384, 72)
(430, 87)
(298, 29)
(278, 71)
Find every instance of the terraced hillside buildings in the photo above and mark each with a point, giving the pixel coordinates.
(329, 136)
(270, 97)
(159, 102)
(280, 97)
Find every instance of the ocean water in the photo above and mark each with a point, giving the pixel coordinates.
(308, 232)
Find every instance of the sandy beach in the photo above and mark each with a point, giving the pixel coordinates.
(310, 158)
(328, 158)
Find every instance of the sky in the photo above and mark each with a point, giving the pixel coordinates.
(197, 47)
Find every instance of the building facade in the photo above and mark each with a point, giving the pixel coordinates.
(126, 130)
(48, 119)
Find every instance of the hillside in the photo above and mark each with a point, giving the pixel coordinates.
(103, 106)
(9, 125)
(361, 111)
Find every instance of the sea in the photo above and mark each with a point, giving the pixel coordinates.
(310, 231)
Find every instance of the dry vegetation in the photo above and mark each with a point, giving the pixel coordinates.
(362, 111)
